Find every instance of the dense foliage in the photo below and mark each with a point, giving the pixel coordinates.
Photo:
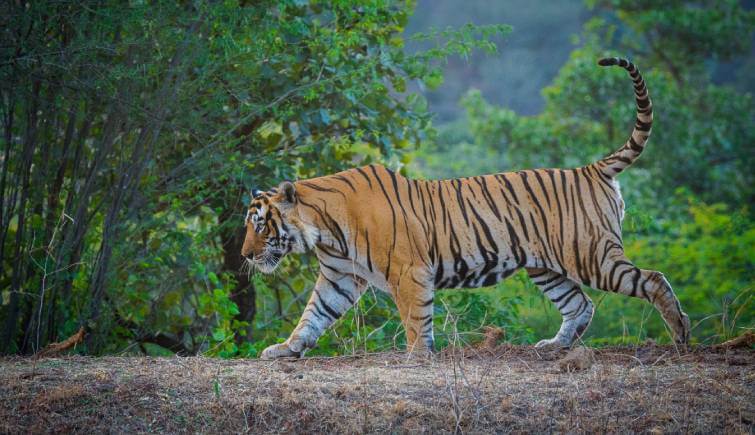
(133, 134)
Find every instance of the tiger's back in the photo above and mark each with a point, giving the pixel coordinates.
(474, 231)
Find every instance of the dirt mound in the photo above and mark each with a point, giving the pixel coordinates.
(506, 388)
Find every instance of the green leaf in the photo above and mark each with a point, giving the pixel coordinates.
(213, 278)
(324, 116)
(218, 334)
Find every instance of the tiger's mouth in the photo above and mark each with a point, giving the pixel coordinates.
(267, 262)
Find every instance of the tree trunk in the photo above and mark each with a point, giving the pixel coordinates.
(129, 180)
(23, 176)
(244, 294)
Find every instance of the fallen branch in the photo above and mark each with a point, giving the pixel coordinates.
(745, 340)
(53, 349)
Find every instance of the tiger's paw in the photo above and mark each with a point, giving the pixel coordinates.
(421, 355)
(552, 344)
(681, 336)
(280, 350)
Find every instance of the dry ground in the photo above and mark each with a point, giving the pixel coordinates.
(504, 389)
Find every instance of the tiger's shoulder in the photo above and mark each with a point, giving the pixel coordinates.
(353, 181)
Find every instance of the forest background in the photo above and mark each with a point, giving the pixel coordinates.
(132, 135)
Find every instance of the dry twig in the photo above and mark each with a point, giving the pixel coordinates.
(53, 349)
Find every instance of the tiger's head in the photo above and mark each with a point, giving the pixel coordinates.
(273, 228)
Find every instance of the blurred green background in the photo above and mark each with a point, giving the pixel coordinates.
(132, 134)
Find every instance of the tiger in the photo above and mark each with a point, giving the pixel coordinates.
(408, 237)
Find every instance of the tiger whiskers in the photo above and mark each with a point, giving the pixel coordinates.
(248, 268)
(245, 267)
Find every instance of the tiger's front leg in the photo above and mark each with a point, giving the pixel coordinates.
(332, 296)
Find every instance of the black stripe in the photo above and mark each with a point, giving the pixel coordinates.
(575, 245)
(508, 186)
(559, 242)
(488, 197)
(366, 177)
(456, 183)
(575, 292)
(394, 181)
(345, 180)
(531, 192)
(485, 229)
(320, 188)
(332, 226)
(369, 254)
(524, 224)
(317, 310)
(331, 312)
(341, 291)
(553, 277)
(393, 216)
(546, 289)
(558, 299)
(542, 186)
(442, 204)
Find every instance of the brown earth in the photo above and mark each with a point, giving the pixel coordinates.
(503, 389)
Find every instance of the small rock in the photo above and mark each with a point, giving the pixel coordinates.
(400, 407)
(579, 358)
(286, 368)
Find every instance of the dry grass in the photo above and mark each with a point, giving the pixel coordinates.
(503, 389)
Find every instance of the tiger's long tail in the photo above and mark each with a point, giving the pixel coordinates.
(627, 154)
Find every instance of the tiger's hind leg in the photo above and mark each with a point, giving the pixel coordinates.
(415, 306)
(575, 306)
(621, 276)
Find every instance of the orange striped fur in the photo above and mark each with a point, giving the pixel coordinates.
(370, 225)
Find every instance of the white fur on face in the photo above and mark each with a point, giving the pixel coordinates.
(298, 237)
(264, 266)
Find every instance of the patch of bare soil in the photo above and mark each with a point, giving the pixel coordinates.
(491, 389)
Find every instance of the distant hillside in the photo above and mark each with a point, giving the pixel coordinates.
(528, 58)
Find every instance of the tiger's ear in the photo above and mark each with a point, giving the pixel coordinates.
(255, 192)
(286, 196)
